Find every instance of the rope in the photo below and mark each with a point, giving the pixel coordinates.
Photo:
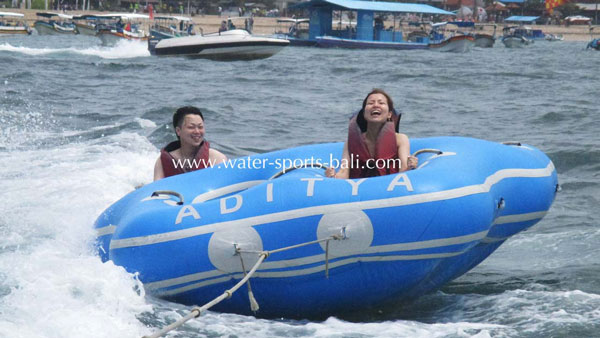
(196, 312)
(262, 255)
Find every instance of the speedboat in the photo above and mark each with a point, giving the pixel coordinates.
(13, 23)
(315, 246)
(236, 44)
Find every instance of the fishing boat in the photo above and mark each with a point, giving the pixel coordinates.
(515, 37)
(453, 40)
(295, 31)
(314, 246)
(231, 45)
(124, 27)
(54, 24)
(171, 26)
(484, 40)
(526, 31)
(86, 24)
(13, 23)
(370, 30)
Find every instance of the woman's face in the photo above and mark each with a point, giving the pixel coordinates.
(376, 109)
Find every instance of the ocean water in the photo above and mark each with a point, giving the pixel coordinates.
(81, 125)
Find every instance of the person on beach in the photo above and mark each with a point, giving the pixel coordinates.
(374, 146)
(191, 151)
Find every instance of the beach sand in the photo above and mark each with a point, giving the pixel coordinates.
(264, 25)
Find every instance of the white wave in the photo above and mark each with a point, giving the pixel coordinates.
(51, 281)
(145, 123)
(224, 325)
(123, 50)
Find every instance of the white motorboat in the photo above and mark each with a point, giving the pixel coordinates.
(236, 44)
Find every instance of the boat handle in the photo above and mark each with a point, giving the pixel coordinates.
(427, 150)
(512, 143)
(169, 192)
(287, 170)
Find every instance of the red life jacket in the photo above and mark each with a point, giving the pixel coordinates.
(169, 162)
(385, 149)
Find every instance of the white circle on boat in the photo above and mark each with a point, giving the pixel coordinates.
(221, 249)
(354, 225)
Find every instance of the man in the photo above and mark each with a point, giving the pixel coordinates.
(191, 151)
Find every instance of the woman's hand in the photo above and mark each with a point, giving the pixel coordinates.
(330, 172)
(413, 162)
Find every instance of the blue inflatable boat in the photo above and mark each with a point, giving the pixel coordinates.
(333, 245)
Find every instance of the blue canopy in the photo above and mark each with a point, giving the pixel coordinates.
(374, 6)
(518, 18)
(517, 1)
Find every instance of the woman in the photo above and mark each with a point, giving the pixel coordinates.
(374, 147)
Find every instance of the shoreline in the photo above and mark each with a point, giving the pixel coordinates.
(268, 25)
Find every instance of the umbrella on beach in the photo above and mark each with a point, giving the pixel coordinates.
(464, 12)
(496, 6)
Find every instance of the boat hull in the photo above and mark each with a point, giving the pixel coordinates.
(86, 29)
(111, 37)
(45, 28)
(516, 41)
(14, 30)
(484, 41)
(229, 46)
(398, 236)
(454, 44)
(334, 42)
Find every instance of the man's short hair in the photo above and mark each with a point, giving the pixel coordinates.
(182, 112)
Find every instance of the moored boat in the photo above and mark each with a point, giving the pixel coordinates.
(445, 40)
(55, 24)
(594, 42)
(515, 37)
(329, 245)
(124, 26)
(171, 26)
(13, 23)
(86, 24)
(229, 45)
(484, 40)
(370, 29)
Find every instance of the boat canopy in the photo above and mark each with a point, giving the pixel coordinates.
(7, 14)
(123, 16)
(51, 15)
(517, 18)
(373, 6)
(172, 17)
(290, 20)
(515, 1)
